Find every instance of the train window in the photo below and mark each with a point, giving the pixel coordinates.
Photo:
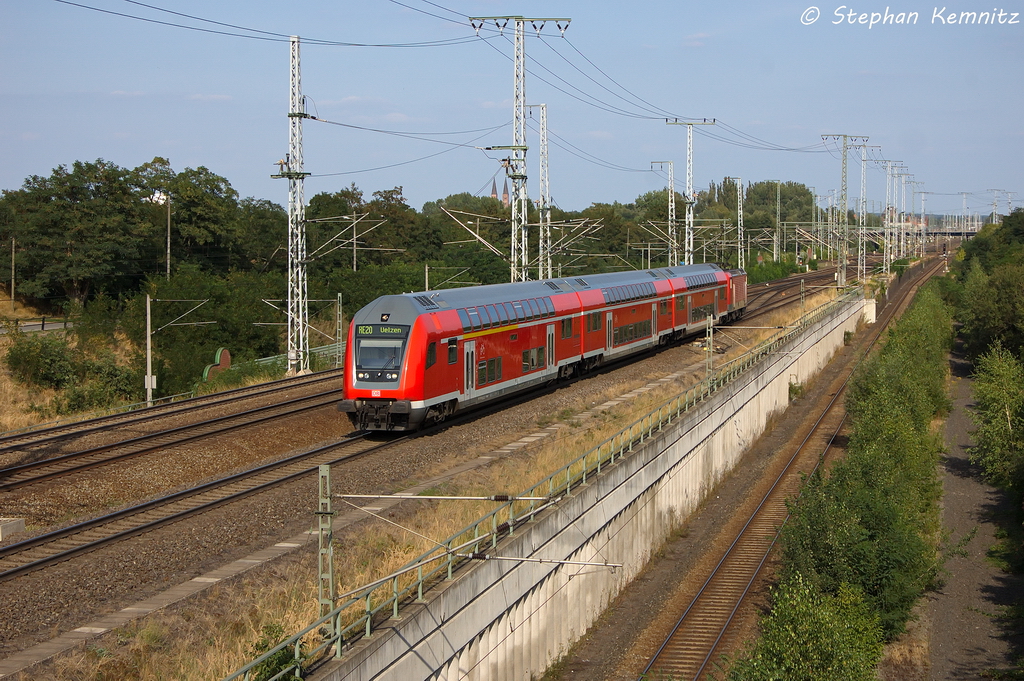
(613, 292)
(431, 354)
(663, 307)
(502, 313)
(534, 307)
(520, 312)
(510, 311)
(514, 337)
(485, 319)
(567, 328)
(494, 369)
(495, 317)
(453, 351)
(474, 318)
(533, 359)
(464, 318)
(550, 305)
(481, 373)
(607, 296)
(680, 302)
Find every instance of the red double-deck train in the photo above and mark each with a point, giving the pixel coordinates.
(417, 358)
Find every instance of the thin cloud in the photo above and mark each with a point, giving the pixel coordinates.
(210, 98)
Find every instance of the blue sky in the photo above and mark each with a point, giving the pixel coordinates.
(945, 99)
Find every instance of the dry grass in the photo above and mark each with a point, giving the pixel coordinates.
(16, 400)
(907, 658)
(19, 310)
(212, 635)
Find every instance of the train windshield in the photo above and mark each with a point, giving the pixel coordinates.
(373, 353)
(380, 346)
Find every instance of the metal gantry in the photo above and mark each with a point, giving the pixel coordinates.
(844, 207)
(690, 199)
(291, 169)
(516, 163)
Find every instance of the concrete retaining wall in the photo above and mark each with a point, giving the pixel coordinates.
(504, 620)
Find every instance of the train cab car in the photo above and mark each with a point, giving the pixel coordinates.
(417, 358)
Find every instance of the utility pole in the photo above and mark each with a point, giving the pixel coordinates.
(740, 259)
(291, 169)
(779, 240)
(690, 200)
(12, 275)
(844, 220)
(673, 239)
(168, 195)
(814, 217)
(516, 163)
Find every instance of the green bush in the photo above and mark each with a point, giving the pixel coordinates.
(859, 548)
(813, 635)
(271, 635)
(44, 360)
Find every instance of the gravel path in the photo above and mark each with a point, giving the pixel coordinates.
(968, 637)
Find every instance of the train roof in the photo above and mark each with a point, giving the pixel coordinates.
(413, 304)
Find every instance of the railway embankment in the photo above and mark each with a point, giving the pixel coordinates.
(520, 615)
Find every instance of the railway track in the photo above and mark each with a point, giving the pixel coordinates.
(15, 477)
(60, 545)
(42, 438)
(705, 628)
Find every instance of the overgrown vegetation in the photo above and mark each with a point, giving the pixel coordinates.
(987, 290)
(84, 379)
(91, 241)
(860, 547)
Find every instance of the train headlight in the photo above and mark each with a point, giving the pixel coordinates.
(392, 377)
(362, 376)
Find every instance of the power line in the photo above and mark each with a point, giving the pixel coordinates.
(413, 135)
(265, 36)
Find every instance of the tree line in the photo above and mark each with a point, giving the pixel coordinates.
(92, 238)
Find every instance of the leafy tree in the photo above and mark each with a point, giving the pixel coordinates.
(78, 230)
(261, 233)
(205, 208)
(235, 303)
(999, 414)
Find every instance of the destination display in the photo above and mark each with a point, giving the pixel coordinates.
(382, 330)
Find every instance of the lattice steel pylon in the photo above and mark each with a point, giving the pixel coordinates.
(690, 199)
(291, 168)
(516, 164)
(544, 270)
(673, 235)
(741, 260)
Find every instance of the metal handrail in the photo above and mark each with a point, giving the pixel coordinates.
(441, 562)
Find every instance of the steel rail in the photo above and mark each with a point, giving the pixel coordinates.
(762, 556)
(55, 433)
(9, 552)
(65, 463)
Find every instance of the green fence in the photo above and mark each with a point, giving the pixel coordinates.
(360, 609)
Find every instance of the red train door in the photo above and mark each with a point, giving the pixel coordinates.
(608, 333)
